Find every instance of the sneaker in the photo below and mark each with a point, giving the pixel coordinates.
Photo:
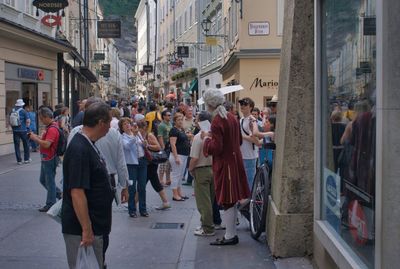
(28, 161)
(201, 232)
(45, 208)
(219, 227)
(19, 163)
(163, 206)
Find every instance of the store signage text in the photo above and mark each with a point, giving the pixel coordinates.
(108, 29)
(99, 57)
(259, 28)
(259, 83)
(31, 74)
(50, 6)
(51, 20)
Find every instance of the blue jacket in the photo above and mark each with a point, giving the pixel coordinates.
(32, 116)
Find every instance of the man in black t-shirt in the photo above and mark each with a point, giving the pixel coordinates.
(88, 195)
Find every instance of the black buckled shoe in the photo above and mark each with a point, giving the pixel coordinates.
(225, 242)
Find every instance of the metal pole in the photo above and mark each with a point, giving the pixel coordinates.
(86, 29)
(155, 41)
(80, 27)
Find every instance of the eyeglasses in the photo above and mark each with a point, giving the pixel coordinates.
(169, 115)
(244, 104)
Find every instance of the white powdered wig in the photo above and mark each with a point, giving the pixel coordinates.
(215, 100)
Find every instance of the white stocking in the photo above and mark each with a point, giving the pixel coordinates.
(230, 216)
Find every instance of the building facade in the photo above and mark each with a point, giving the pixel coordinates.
(28, 63)
(252, 47)
(146, 20)
(48, 64)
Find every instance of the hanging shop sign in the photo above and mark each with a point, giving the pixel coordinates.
(369, 26)
(32, 74)
(105, 70)
(99, 57)
(258, 28)
(50, 6)
(148, 68)
(183, 51)
(109, 29)
(259, 83)
(52, 20)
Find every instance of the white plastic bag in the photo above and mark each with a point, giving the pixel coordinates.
(55, 211)
(86, 258)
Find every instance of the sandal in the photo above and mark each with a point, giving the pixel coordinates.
(178, 200)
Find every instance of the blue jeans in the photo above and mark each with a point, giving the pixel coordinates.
(18, 136)
(250, 166)
(48, 179)
(34, 145)
(138, 174)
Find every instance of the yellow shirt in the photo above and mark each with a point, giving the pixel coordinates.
(150, 117)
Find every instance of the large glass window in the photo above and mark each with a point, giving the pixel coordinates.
(349, 123)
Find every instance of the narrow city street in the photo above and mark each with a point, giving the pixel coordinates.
(30, 239)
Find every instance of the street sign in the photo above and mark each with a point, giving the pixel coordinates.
(148, 68)
(99, 57)
(105, 70)
(183, 51)
(108, 29)
(259, 28)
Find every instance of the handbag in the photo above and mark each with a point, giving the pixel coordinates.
(147, 154)
(159, 157)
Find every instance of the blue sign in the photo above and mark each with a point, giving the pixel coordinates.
(331, 191)
(28, 73)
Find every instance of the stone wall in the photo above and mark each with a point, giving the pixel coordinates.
(290, 211)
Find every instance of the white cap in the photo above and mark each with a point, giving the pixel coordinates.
(139, 117)
(19, 102)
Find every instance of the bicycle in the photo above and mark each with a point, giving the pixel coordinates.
(256, 210)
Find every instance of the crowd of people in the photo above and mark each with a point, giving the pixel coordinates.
(110, 156)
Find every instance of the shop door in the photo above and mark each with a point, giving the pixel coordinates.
(30, 95)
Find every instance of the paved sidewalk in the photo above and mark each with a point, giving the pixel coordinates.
(30, 239)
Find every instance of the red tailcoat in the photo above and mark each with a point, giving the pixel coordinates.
(229, 175)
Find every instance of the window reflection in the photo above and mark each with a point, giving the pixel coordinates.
(349, 125)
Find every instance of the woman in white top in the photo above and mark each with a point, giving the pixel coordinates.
(116, 115)
(137, 165)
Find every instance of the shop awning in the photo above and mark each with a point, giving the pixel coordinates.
(88, 74)
(194, 86)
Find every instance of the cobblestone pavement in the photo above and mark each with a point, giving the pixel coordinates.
(30, 239)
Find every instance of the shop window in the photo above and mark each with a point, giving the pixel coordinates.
(266, 100)
(10, 2)
(13, 92)
(348, 45)
(29, 8)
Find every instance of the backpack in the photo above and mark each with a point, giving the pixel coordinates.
(15, 121)
(62, 142)
(156, 123)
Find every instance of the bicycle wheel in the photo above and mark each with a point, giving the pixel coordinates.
(259, 202)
